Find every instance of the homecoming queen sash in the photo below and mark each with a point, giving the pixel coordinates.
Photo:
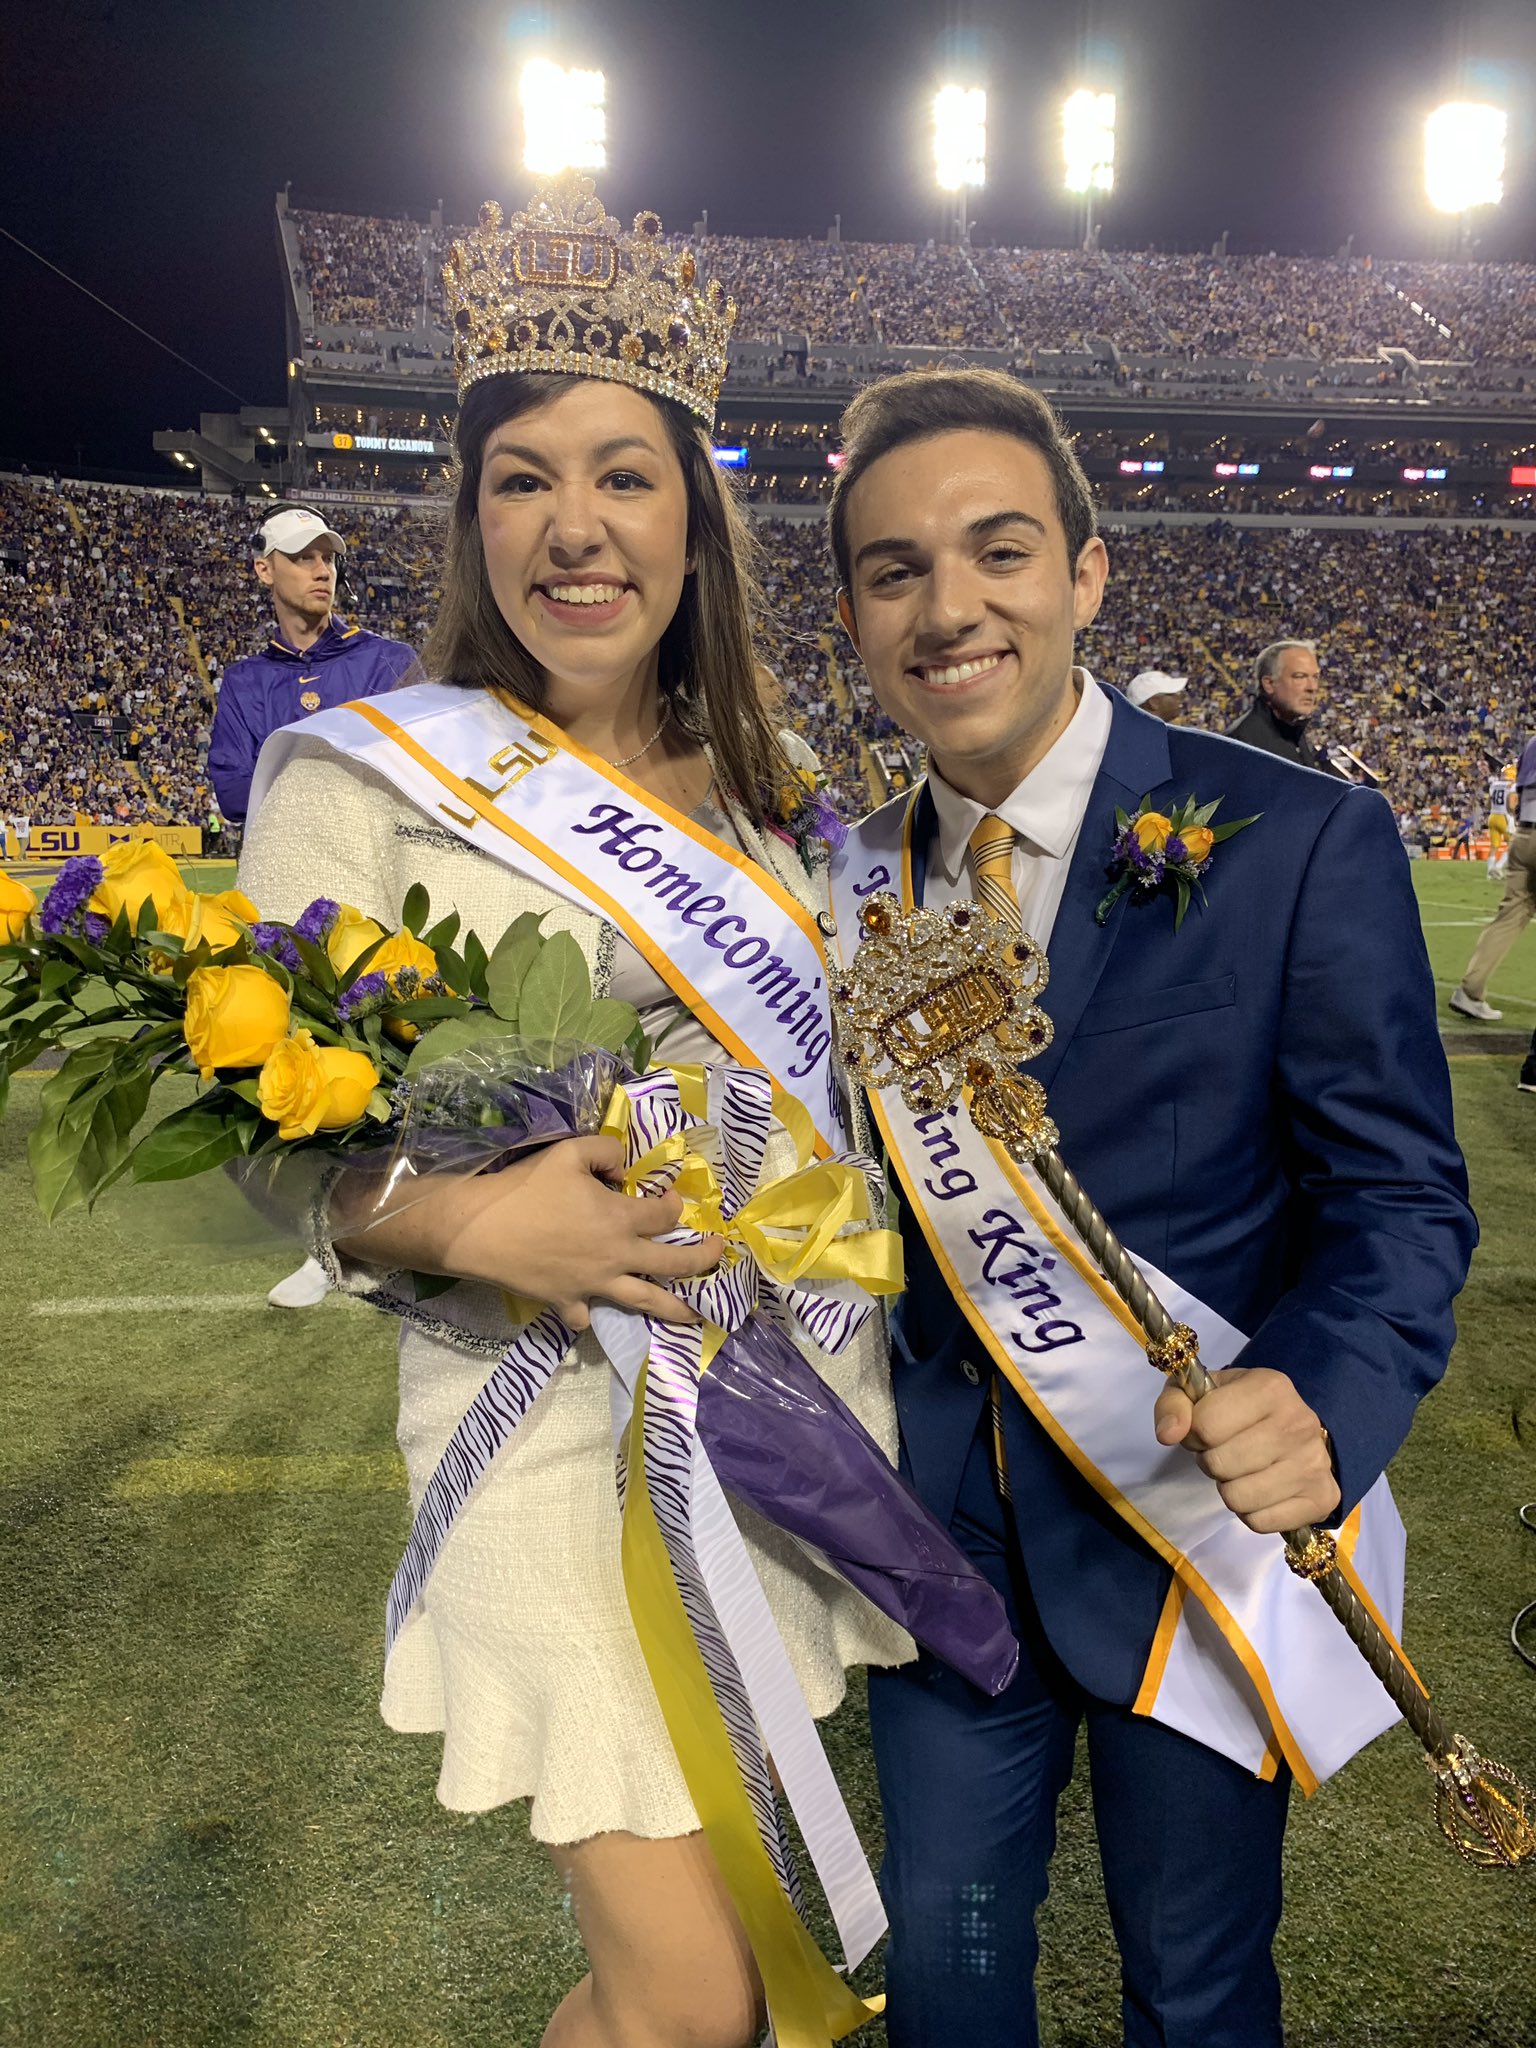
(728, 939)
(1246, 1659)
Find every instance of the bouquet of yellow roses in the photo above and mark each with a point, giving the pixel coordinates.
(303, 1032)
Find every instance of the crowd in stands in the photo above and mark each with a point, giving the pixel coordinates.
(1424, 639)
(369, 275)
(366, 271)
(88, 627)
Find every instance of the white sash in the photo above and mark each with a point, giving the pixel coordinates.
(1247, 1658)
(727, 938)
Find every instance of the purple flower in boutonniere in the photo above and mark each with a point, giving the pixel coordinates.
(1157, 849)
(804, 818)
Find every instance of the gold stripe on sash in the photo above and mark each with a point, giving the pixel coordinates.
(1162, 1647)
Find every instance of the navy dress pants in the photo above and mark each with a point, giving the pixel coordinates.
(1190, 1843)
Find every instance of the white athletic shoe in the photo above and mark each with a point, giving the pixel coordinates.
(302, 1289)
(1471, 1006)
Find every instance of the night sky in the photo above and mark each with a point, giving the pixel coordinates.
(141, 145)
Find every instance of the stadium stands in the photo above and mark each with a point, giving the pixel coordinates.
(375, 282)
(1422, 636)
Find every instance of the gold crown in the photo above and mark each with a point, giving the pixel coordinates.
(563, 289)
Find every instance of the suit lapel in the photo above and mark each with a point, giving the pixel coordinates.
(1135, 765)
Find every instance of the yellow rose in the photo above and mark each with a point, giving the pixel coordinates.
(133, 873)
(1198, 841)
(17, 903)
(350, 936)
(403, 951)
(305, 1087)
(235, 1015)
(1152, 830)
(209, 920)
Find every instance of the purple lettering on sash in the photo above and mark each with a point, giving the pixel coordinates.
(719, 945)
(738, 946)
(1045, 1340)
(702, 909)
(877, 880)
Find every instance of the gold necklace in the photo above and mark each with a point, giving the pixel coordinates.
(630, 759)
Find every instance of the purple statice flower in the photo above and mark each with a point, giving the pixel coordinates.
(367, 992)
(96, 927)
(317, 920)
(77, 881)
(826, 824)
(271, 938)
(1126, 848)
(1175, 851)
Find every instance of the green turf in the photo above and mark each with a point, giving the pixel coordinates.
(1456, 899)
(207, 1835)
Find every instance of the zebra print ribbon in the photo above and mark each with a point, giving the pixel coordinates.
(707, 1130)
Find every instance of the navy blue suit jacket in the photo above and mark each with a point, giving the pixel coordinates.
(1260, 1106)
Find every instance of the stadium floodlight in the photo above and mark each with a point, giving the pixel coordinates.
(1088, 141)
(565, 120)
(1464, 156)
(959, 137)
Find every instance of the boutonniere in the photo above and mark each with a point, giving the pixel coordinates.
(1157, 849)
(804, 817)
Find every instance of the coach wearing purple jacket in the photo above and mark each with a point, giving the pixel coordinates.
(311, 660)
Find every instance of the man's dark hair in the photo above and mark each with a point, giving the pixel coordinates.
(918, 404)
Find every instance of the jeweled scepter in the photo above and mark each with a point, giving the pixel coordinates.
(944, 1004)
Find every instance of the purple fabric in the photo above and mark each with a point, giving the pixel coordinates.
(781, 1441)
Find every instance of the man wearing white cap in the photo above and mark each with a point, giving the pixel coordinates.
(1153, 691)
(311, 661)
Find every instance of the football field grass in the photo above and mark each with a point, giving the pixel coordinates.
(207, 1835)
(1456, 900)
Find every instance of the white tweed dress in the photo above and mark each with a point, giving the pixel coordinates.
(522, 1653)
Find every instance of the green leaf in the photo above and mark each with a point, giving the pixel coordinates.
(1121, 820)
(425, 1009)
(451, 967)
(82, 1139)
(58, 975)
(1220, 832)
(458, 1034)
(317, 964)
(416, 909)
(194, 1139)
(475, 961)
(556, 994)
(610, 1024)
(378, 1106)
(443, 933)
(1206, 812)
(516, 950)
(1181, 888)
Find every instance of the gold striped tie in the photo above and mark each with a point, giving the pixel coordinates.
(991, 851)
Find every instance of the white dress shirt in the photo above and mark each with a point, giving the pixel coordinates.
(1045, 810)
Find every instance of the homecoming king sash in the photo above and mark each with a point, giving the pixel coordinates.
(1246, 1658)
(727, 938)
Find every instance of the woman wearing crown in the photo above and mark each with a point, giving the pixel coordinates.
(596, 582)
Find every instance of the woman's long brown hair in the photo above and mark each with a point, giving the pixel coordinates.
(706, 667)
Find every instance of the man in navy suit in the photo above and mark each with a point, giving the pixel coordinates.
(1259, 1103)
